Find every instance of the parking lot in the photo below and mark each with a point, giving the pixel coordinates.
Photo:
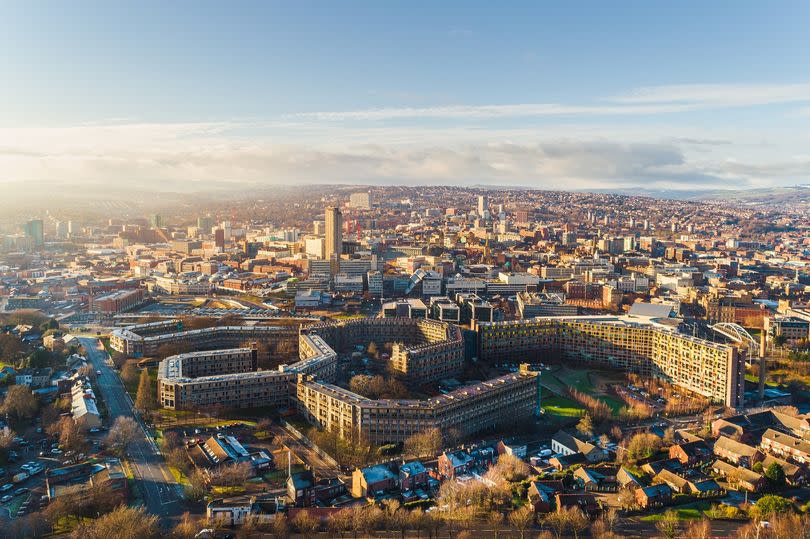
(32, 454)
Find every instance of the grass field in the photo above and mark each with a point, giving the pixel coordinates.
(685, 512)
(561, 406)
(581, 381)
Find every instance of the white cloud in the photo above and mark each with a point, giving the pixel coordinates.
(643, 101)
(559, 157)
(472, 112)
(719, 95)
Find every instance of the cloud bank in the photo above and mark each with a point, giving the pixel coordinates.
(372, 146)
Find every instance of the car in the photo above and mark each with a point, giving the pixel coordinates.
(56, 451)
(6, 487)
(7, 498)
(21, 490)
(98, 373)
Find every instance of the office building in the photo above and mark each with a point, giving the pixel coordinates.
(334, 233)
(34, 231)
(483, 205)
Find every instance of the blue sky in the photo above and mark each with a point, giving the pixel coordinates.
(547, 94)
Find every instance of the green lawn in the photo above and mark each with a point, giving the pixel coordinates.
(580, 380)
(689, 511)
(561, 406)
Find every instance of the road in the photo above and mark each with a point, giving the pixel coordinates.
(162, 494)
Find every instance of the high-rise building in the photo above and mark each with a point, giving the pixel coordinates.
(334, 232)
(156, 220)
(72, 228)
(33, 229)
(360, 201)
(219, 238)
(483, 205)
(61, 229)
(318, 227)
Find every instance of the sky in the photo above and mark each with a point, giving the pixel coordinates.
(552, 95)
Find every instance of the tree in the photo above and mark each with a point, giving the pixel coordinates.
(339, 523)
(171, 440)
(509, 468)
(280, 529)
(577, 521)
(427, 443)
(775, 475)
(231, 475)
(772, 505)
(585, 425)
(121, 523)
(145, 397)
(668, 525)
(71, 435)
(197, 486)
(123, 432)
(641, 446)
(10, 347)
(521, 519)
(187, 528)
(699, 529)
(417, 521)
(129, 373)
(495, 520)
(20, 403)
(305, 523)
(557, 521)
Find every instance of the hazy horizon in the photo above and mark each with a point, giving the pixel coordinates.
(548, 96)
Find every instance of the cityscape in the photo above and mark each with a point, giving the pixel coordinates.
(377, 313)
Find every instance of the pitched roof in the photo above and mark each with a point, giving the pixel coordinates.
(733, 446)
(573, 443)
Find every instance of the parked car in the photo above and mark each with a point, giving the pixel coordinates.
(7, 498)
(56, 451)
(21, 490)
(6, 487)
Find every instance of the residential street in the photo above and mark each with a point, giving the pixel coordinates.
(161, 493)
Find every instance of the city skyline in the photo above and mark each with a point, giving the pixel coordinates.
(544, 96)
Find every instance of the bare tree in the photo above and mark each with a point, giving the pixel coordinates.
(306, 524)
(668, 525)
(121, 523)
(145, 397)
(123, 432)
(20, 403)
(339, 523)
(521, 519)
(577, 521)
(495, 520)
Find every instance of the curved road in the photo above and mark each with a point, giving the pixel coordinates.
(161, 493)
